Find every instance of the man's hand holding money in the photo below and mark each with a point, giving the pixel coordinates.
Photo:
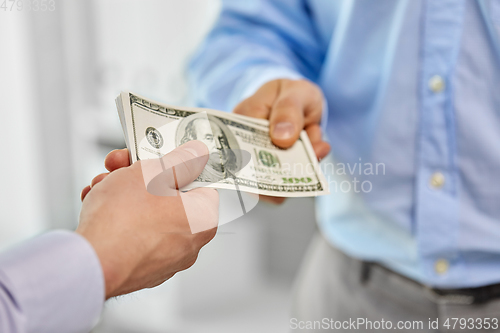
(142, 239)
(290, 106)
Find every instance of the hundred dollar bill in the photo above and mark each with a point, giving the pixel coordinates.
(242, 154)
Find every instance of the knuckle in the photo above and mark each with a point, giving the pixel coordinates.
(210, 234)
(286, 102)
(252, 107)
(189, 247)
(97, 179)
(271, 86)
(288, 82)
(202, 238)
(241, 107)
(190, 261)
(306, 84)
(259, 111)
(310, 88)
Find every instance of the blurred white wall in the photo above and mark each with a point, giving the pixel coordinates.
(60, 73)
(21, 205)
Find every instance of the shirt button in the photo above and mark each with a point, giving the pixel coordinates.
(441, 266)
(436, 83)
(437, 180)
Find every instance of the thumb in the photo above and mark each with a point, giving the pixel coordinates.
(299, 104)
(176, 169)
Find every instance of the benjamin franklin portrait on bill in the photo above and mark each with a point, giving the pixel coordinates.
(224, 159)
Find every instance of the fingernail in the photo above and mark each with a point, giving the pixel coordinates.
(283, 131)
(197, 148)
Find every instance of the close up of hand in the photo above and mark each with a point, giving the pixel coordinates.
(142, 239)
(290, 106)
(114, 160)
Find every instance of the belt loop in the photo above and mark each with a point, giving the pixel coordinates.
(365, 272)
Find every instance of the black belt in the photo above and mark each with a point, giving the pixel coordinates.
(478, 295)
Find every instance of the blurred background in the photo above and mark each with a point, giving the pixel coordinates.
(60, 71)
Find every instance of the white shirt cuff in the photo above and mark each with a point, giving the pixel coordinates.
(56, 282)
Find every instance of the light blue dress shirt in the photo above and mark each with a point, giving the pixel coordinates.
(51, 284)
(413, 90)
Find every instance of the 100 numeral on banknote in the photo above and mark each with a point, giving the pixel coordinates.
(242, 153)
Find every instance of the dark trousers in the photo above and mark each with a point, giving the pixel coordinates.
(336, 292)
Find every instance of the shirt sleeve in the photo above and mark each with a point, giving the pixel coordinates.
(253, 42)
(52, 283)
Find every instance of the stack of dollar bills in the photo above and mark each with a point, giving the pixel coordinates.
(241, 152)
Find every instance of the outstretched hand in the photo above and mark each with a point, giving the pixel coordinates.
(143, 239)
(290, 106)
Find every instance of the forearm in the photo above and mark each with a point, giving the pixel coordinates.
(251, 44)
(52, 283)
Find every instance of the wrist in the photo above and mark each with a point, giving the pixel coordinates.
(116, 266)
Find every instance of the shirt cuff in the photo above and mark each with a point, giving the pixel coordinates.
(56, 281)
